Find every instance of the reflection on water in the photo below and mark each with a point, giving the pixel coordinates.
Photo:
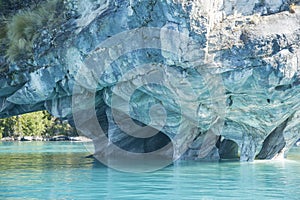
(60, 170)
(42, 156)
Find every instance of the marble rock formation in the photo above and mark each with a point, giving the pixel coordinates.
(216, 79)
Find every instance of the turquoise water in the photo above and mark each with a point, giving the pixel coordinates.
(59, 170)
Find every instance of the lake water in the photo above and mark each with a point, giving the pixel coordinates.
(60, 170)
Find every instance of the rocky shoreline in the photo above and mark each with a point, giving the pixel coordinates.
(54, 138)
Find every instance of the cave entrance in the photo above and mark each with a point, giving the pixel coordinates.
(143, 145)
(228, 149)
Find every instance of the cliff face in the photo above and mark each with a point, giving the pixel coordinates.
(216, 78)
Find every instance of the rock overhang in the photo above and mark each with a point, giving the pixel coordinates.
(255, 57)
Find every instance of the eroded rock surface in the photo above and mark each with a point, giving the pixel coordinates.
(234, 87)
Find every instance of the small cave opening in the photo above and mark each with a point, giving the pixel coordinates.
(142, 145)
(228, 149)
(135, 144)
(130, 141)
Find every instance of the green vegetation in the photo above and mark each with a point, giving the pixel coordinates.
(8, 8)
(23, 22)
(34, 124)
(24, 27)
